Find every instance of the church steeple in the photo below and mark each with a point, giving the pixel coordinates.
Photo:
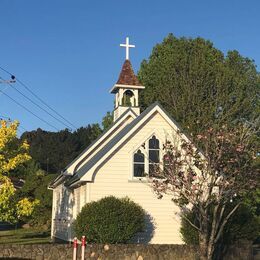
(127, 88)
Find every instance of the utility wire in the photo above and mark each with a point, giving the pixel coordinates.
(36, 96)
(28, 110)
(5, 89)
(21, 93)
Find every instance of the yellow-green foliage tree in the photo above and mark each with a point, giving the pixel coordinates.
(12, 154)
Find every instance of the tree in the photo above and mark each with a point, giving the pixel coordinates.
(198, 85)
(12, 154)
(107, 120)
(201, 87)
(55, 150)
(208, 178)
(244, 224)
(36, 188)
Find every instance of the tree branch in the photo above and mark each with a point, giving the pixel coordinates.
(225, 221)
(194, 226)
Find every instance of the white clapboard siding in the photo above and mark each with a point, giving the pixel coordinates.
(61, 214)
(114, 178)
(99, 145)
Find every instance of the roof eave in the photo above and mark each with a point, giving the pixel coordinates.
(57, 181)
(74, 182)
(117, 86)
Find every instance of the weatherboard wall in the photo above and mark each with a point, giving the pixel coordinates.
(115, 177)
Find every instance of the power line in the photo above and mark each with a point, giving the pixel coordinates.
(5, 89)
(36, 104)
(41, 100)
(28, 110)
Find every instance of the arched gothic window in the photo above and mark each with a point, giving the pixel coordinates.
(138, 164)
(154, 154)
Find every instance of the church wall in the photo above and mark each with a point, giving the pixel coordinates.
(62, 217)
(62, 213)
(115, 178)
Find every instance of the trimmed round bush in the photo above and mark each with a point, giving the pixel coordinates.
(110, 220)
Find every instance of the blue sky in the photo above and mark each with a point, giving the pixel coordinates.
(68, 52)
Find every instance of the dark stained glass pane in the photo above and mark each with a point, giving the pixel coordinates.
(138, 170)
(139, 157)
(153, 143)
(154, 156)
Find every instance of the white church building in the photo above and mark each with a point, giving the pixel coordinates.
(118, 163)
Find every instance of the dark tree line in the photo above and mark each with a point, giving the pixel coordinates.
(54, 150)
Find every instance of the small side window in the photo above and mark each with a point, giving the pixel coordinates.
(139, 164)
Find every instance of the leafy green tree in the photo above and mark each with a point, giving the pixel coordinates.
(243, 225)
(198, 85)
(107, 120)
(189, 234)
(54, 150)
(35, 187)
(204, 89)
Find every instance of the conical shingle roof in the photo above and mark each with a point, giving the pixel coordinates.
(127, 75)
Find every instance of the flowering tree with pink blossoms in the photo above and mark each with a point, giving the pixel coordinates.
(207, 177)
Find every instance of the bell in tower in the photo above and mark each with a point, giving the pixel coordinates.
(127, 88)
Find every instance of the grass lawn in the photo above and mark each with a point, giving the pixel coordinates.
(24, 236)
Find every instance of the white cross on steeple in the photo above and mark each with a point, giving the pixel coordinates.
(127, 46)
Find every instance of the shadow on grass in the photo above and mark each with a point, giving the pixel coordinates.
(6, 235)
(7, 226)
(23, 236)
(34, 235)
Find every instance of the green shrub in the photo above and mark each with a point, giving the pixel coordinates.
(243, 225)
(110, 220)
(189, 234)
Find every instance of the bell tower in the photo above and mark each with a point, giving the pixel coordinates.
(127, 88)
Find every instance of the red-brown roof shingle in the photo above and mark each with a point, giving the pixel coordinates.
(127, 75)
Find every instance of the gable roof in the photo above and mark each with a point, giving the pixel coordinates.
(127, 75)
(102, 135)
(60, 178)
(96, 158)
